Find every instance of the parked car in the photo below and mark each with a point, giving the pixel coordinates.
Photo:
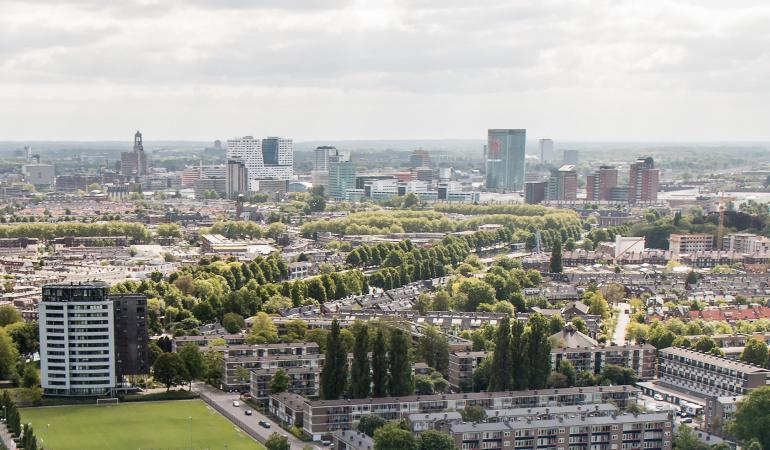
(236, 403)
(247, 412)
(687, 420)
(264, 424)
(326, 443)
(658, 397)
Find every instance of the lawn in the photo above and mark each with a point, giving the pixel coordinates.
(135, 426)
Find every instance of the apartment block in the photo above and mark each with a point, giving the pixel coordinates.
(690, 243)
(462, 365)
(640, 358)
(745, 243)
(599, 184)
(240, 360)
(303, 380)
(705, 375)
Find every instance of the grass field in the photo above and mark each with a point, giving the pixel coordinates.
(135, 426)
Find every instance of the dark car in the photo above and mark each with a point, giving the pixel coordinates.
(264, 424)
(247, 412)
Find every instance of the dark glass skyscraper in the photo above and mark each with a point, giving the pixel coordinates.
(505, 159)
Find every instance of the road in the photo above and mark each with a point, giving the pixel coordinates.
(225, 400)
(619, 335)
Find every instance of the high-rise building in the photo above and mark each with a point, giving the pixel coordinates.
(419, 158)
(89, 340)
(546, 150)
(342, 175)
(571, 157)
(563, 184)
(271, 158)
(643, 180)
(599, 184)
(534, 192)
(134, 163)
(505, 159)
(321, 157)
(236, 179)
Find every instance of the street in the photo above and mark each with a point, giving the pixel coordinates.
(225, 401)
(619, 335)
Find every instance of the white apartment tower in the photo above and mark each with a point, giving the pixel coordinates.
(546, 150)
(77, 340)
(271, 158)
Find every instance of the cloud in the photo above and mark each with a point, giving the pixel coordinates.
(531, 57)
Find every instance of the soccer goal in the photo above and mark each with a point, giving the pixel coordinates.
(106, 401)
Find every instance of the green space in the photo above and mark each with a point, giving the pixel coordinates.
(133, 426)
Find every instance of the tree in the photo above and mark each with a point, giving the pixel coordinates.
(399, 369)
(501, 371)
(687, 440)
(435, 440)
(170, 370)
(473, 413)
(277, 442)
(335, 371)
(212, 363)
(423, 303)
(568, 370)
(520, 356)
(751, 417)
(25, 335)
(755, 352)
(705, 344)
(360, 376)
(691, 280)
(280, 382)
(233, 323)
(369, 423)
(556, 263)
(379, 366)
(8, 315)
(392, 437)
(193, 362)
(423, 385)
(9, 357)
(618, 375)
(30, 378)
(263, 330)
(539, 351)
(476, 292)
(433, 349)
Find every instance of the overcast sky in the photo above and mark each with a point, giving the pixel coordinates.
(373, 69)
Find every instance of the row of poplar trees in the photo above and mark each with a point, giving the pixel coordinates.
(387, 372)
(522, 356)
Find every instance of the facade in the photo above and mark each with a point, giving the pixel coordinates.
(132, 355)
(322, 417)
(563, 185)
(77, 340)
(599, 185)
(134, 163)
(342, 176)
(321, 158)
(643, 179)
(505, 159)
(236, 179)
(705, 375)
(652, 431)
(639, 358)
(534, 192)
(462, 365)
(571, 157)
(745, 243)
(271, 158)
(546, 150)
(690, 243)
(39, 175)
(419, 158)
(301, 360)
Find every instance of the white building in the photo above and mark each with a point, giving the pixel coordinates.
(77, 340)
(271, 158)
(626, 245)
(546, 150)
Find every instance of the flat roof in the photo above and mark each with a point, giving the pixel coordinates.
(716, 360)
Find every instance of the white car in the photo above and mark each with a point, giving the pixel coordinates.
(236, 403)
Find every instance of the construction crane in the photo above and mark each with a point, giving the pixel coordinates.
(721, 229)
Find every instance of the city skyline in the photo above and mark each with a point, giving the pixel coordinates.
(664, 71)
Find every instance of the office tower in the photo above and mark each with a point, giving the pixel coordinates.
(419, 158)
(236, 179)
(89, 340)
(39, 175)
(571, 157)
(422, 174)
(643, 180)
(342, 175)
(562, 186)
(134, 163)
(505, 159)
(599, 184)
(271, 158)
(132, 354)
(534, 192)
(321, 157)
(445, 174)
(546, 150)
(77, 340)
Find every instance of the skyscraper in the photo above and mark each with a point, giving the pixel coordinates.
(546, 150)
(505, 159)
(236, 179)
(419, 158)
(271, 158)
(571, 157)
(134, 163)
(643, 180)
(562, 186)
(321, 157)
(599, 184)
(342, 175)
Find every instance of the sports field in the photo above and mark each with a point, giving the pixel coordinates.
(135, 426)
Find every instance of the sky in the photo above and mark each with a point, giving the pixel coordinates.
(590, 70)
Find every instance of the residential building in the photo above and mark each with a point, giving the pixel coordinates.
(505, 159)
(626, 245)
(132, 355)
(745, 243)
(419, 158)
(546, 150)
(534, 192)
(271, 158)
(643, 180)
(321, 158)
(352, 440)
(599, 184)
(571, 157)
(705, 375)
(236, 179)
(342, 176)
(562, 185)
(690, 243)
(322, 417)
(299, 270)
(461, 367)
(652, 431)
